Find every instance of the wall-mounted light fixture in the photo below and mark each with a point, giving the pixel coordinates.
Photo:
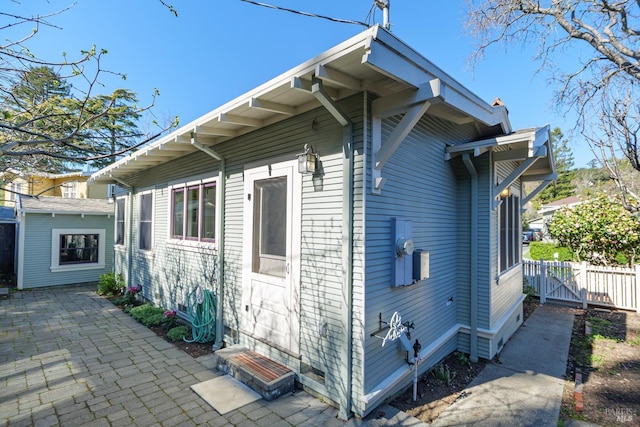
(308, 161)
(505, 193)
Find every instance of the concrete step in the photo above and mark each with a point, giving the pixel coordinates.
(4, 292)
(262, 374)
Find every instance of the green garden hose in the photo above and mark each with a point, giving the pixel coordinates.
(201, 306)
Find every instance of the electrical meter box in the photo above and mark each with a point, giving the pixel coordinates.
(402, 250)
(420, 265)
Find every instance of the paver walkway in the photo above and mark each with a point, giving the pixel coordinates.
(69, 357)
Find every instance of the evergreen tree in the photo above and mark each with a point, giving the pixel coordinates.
(563, 158)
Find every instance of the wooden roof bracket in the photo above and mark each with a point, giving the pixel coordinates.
(517, 173)
(545, 180)
(414, 104)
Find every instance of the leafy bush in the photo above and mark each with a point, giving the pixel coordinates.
(547, 251)
(111, 284)
(148, 315)
(178, 333)
(599, 231)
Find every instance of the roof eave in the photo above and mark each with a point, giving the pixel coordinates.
(350, 67)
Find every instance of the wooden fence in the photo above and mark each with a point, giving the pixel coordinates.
(614, 287)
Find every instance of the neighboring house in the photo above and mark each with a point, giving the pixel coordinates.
(71, 185)
(307, 267)
(63, 241)
(545, 213)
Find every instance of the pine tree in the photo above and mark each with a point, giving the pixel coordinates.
(563, 158)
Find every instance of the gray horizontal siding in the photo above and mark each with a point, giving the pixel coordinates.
(168, 272)
(423, 187)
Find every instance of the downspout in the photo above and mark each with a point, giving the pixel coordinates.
(222, 172)
(347, 241)
(473, 345)
(130, 231)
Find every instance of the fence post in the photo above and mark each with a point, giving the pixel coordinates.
(583, 284)
(543, 283)
(637, 288)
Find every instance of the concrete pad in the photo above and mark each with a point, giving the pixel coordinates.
(225, 393)
(502, 397)
(541, 345)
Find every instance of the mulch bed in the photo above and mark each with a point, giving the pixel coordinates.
(193, 349)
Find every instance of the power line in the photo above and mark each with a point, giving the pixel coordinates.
(312, 15)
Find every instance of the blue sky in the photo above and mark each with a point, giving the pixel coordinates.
(215, 50)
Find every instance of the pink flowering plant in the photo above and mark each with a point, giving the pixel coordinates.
(600, 231)
(130, 295)
(170, 318)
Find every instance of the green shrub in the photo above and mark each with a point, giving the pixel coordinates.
(111, 284)
(443, 373)
(178, 333)
(148, 315)
(546, 251)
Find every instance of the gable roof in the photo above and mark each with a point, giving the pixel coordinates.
(62, 205)
(374, 60)
(571, 200)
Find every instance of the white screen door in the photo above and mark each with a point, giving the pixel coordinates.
(271, 255)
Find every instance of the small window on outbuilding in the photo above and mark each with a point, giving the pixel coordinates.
(77, 249)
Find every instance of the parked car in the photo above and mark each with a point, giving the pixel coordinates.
(537, 233)
(528, 236)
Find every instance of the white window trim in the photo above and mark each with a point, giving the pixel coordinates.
(184, 185)
(55, 249)
(153, 221)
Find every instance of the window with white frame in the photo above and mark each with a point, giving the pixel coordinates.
(193, 212)
(120, 222)
(77, 249)
(70, 190)
(145, 221)
(509, 227)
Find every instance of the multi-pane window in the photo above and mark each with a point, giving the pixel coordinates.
(193, 210)
(509, 225)
(120, 212)
(70, 190)
(78, 248)
(146, 221)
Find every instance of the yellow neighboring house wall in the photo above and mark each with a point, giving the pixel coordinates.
(69, 185)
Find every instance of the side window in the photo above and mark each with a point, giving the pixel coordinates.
(146, 221)
(509, 226)
(120, 221)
